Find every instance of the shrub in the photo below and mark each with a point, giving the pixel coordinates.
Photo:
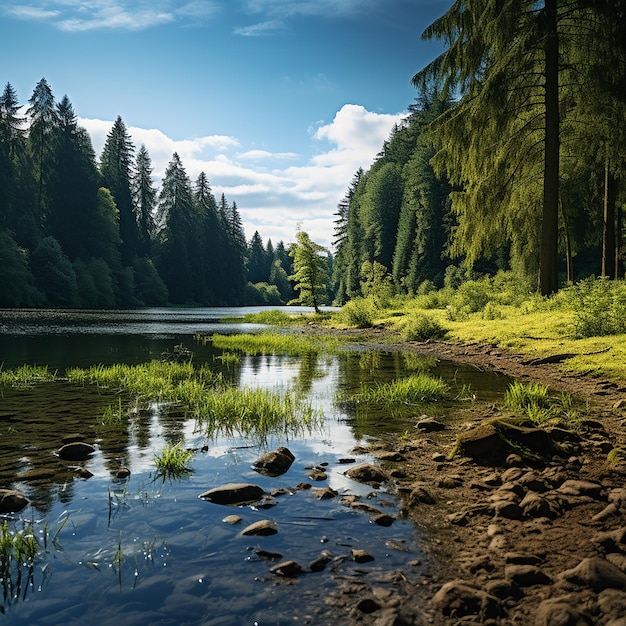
(599, 307)
(358, 312)
(422, 328)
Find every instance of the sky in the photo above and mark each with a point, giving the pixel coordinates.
(279, 102)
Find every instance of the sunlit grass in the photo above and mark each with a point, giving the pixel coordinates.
(25, 376)
(418, 389)
(274, 343)
(18, 548)
(173, 462)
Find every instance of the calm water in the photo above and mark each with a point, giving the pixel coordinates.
(144, 551)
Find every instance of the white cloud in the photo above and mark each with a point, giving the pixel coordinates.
(133, 15)
(303, 191)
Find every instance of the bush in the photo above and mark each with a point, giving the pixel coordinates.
(599, 307)
(358, 313)
(422, 328)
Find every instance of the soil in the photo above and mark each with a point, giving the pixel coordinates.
(465, 542)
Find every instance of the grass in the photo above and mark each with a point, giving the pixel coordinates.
(172, 462)
(417, 389)
(533, 401)
(275, 343)
(25, 376)
(18, 550)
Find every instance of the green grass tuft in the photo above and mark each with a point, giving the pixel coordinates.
(172, 462)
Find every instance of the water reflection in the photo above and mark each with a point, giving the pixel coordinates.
(139, 550)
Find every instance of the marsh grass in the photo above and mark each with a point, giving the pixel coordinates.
(417, 389)
(533, 401)
(255, 411)
(173, 462)
(18, 552)
(274, 343)
(26, 376)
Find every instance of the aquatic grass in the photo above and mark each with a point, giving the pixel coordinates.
(273, 317)
(255, 411)
(228, 359)
(26, 376)
(18, 550)
(172, 462)
(275, 343)
(417, 389)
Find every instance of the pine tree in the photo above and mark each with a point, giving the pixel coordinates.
(43, 119)
(144, 202)
(256, 266)
(116, 169)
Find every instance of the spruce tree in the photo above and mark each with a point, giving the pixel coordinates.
(144, 202)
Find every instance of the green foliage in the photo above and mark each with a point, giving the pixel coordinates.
(26, 376)
(273, 317)
(310, 266)
(417, 389)
(599, 307)
(273, 343)
(358, 313)
(376, 283)
(263, 294)
(172, 462)
(18, 549)
(422, 328)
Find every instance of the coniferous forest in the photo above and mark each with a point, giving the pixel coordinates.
(512, 157)
(76, 231)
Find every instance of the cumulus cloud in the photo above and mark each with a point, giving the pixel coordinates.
(297, 190)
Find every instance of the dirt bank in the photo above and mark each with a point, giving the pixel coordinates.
(514, 542)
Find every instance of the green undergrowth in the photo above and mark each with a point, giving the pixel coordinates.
(583, 327)
(25, 376)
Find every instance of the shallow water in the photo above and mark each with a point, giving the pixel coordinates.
(140, 550)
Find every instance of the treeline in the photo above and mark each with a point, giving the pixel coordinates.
(81, 232)
(512, 156)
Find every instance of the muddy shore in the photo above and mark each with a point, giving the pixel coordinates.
(515, 542)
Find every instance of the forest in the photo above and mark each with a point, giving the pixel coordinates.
(511, 158)
(81, 232)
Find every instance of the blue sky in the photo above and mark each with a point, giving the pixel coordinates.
(278, 101)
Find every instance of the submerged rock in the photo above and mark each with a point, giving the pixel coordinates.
(368, 474)
(12, 501)
(76, 451)
(234, 493)
(288, 569)
(262, 528)
(275, 462)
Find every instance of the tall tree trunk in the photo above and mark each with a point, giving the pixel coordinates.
(619, 240)
(569, 259)
(549, 251)
(608, 224)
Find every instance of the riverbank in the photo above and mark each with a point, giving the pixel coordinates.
(513, 542)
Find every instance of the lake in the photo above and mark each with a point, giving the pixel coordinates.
(142, 550)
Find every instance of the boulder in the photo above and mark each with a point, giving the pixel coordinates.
(234, 493)
(288, 569)
(361, 556)
(12, 501)
(560, 612)
(458, 599)
(596, 573)
(262, 528)
(526, 575)
(76, 451)
(368, 474)
(581, 488)
(275, 462)
(429, 424)
(324, 493)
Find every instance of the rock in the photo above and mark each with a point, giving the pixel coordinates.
(361, 556)
(317, 475)
(429, 424)
(458, 599)
(526, 575)
(390, 457)
(608, 511)
(36, 474)
(618, 496)
(346, 460)
(560, 612)
(508, 509)
(514, 460)
(534, 505)
(618, 559)
(234, 493)
(262, 528)
(12, 501)
(324, 493)
(503, 589)
(450, 482)
(320, 563)
(596, 573)
(83, 472)
(275, 462)
(288, 569)
(581, 488)
(232, 519)
(270, 556)
(515, 558)
(419, 494)
(612, 540)
(612, 602)
(76, 451)
(383, 519)
(368, 605)
(483, 444)
(534, 482)
(122, 472)
(368, 474)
